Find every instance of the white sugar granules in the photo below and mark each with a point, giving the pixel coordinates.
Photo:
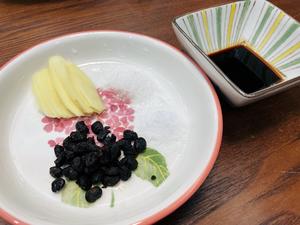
(160, 115)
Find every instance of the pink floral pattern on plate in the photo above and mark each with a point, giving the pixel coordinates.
(119, 115)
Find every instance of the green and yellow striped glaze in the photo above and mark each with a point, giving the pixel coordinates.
(266, 29)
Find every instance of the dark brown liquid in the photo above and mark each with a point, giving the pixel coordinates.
(244, 69)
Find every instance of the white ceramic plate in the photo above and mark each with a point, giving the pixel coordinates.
(175, 109)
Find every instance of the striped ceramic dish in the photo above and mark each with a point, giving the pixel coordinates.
(263, 27)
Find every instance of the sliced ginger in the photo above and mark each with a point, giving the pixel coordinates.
(63, 91)
(85, 88)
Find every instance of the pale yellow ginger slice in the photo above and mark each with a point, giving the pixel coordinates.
(60, 78)
(85, 88)
(47, 97)
(43, 105)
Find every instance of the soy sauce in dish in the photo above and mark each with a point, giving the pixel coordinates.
(245, 68)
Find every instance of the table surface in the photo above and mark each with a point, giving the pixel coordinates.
(256, 178)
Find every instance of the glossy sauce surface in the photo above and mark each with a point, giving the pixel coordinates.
(245, 69)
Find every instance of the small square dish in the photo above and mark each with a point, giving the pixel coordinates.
(232, 40)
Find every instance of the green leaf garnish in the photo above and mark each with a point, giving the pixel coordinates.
(152, 166)
(73, 195)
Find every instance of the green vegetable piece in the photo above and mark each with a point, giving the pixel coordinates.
(152, 167)
(112, 200)
(73, 195)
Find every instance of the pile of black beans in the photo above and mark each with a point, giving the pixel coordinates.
(80, 159)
